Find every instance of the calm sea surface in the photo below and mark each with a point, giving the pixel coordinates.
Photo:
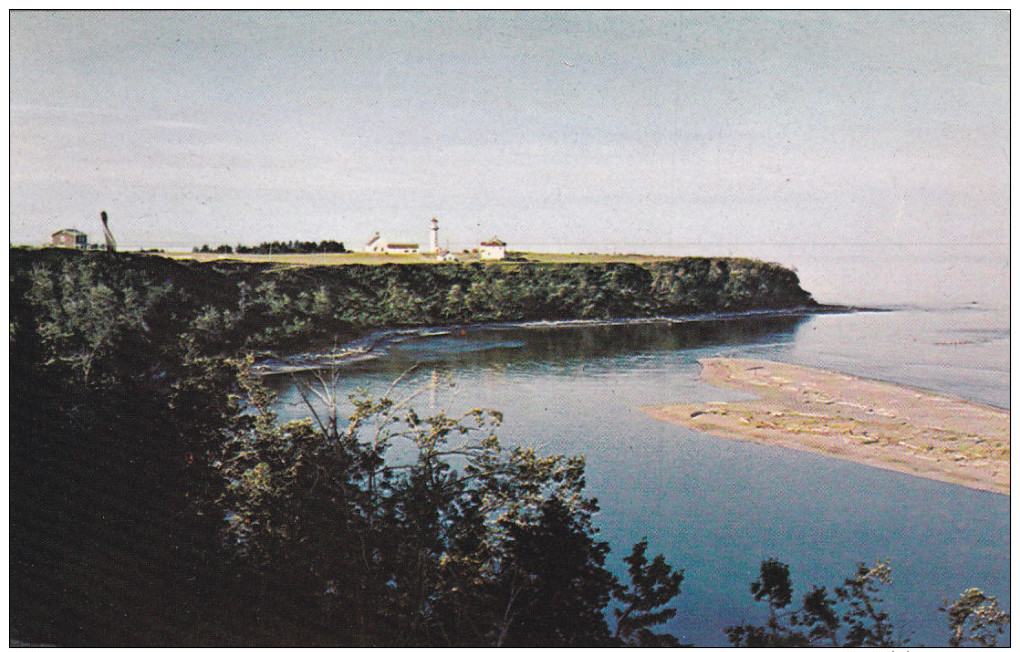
(717, 508)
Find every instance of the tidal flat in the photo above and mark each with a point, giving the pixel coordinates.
(870, 422)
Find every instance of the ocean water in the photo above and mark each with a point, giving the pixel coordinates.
(717, 508)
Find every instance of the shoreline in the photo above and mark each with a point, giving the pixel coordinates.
(374, 343)
(871, 422)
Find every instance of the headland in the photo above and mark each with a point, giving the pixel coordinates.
(288, 307)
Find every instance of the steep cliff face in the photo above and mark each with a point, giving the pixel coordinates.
(235, 305)
(726, 284)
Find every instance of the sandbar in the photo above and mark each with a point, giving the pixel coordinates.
(871, 422)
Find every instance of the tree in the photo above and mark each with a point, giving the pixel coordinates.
(869, 626)
(652, 587)
(79, 316)
(820, 619)
(398, 529)
(974, 618)
(112, 539)
(773, 585)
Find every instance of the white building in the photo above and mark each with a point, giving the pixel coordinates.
(376, 245)
(402, 248)
(494, 249)
(379, 245)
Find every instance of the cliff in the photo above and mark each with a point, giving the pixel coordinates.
(229, 306)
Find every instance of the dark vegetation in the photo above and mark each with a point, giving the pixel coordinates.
(288, 247)
(852, 615)
(155, 500)
(230, 306)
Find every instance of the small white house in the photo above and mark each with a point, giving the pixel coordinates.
(376, 245)
(494, 249)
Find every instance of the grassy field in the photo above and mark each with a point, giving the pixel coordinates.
(595, 258)
(355, 258)
(358, 258)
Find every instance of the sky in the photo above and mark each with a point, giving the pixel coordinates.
(583, 130)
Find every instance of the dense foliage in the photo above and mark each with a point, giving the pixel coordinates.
(155, 500)
(110, 421)
(231, 306)
(398, 529)
(287, 247)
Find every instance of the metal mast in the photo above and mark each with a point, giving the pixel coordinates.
(111, 244)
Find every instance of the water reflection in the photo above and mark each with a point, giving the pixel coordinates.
(564, 345)
(713, 506)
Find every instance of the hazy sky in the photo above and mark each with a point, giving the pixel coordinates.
(616, 130)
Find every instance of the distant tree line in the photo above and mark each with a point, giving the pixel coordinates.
(276, 247)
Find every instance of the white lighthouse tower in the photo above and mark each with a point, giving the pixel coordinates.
(434, 240)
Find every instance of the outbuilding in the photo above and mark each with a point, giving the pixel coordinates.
(494, 249)
(70, 238)
(376, 245)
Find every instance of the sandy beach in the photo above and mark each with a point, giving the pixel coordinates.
(866, 421)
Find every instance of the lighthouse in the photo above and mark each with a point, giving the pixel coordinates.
(434, 240)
